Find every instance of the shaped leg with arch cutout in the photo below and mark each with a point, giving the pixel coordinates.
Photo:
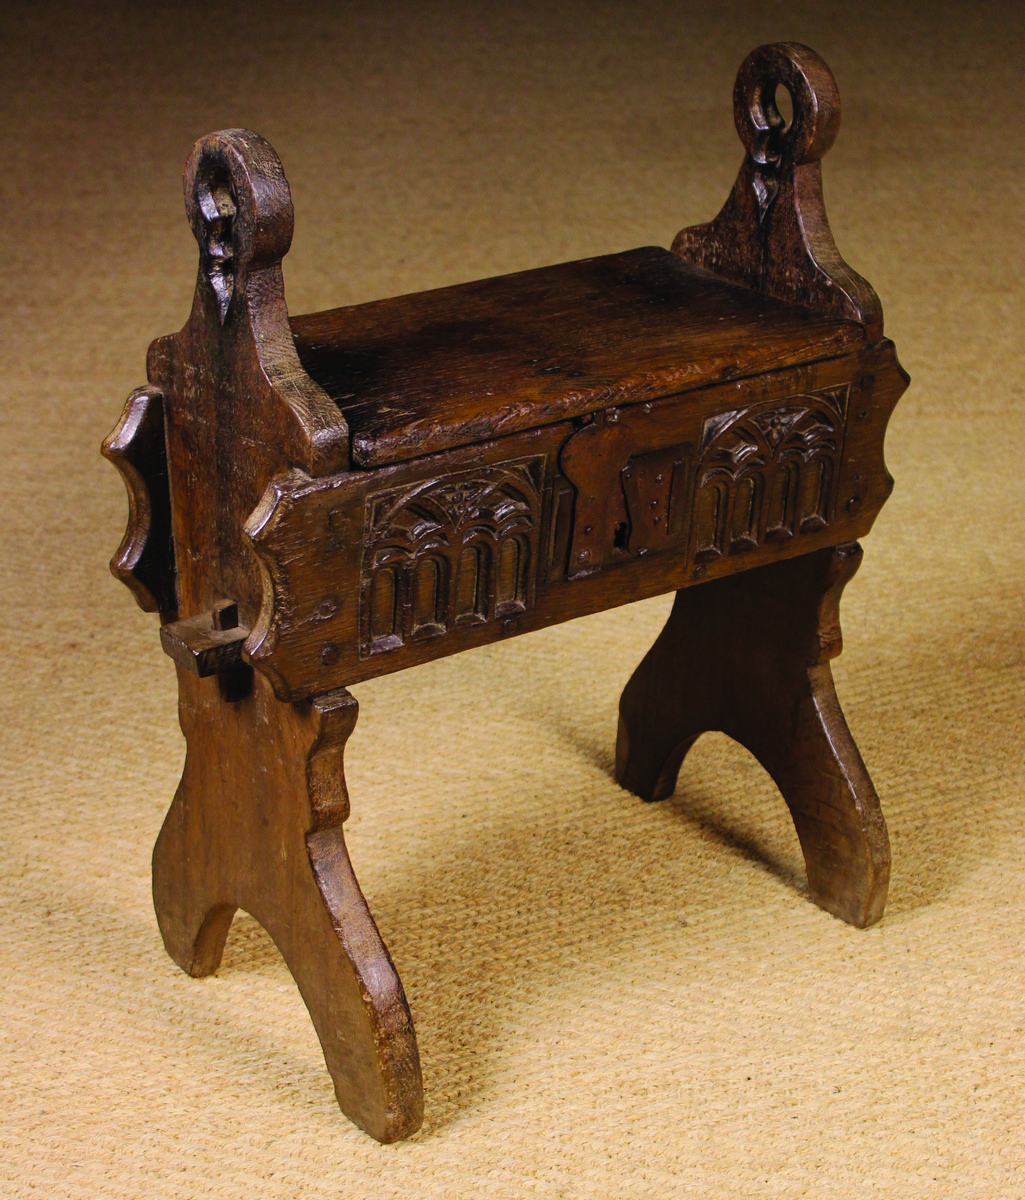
(749, 655)
(256, 824)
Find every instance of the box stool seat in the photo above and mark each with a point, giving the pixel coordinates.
(318, 500)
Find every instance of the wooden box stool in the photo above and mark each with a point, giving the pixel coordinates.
(318, 500)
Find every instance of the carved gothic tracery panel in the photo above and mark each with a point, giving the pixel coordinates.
(768, 472)
(447, 553)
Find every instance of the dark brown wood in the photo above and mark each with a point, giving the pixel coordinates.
(465, 364)
(144, 562)
(320, 500)
(772, 234)
(749, 655)
(224, 616)
(238, 406)
(257, 824)
(203, 645)
(752, 471)
(593, 460)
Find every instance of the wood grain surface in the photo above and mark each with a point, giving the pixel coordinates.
(365, 489)
(427, 372)
(257, 824)
(749, 656)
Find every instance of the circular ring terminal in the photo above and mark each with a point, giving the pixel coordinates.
(237, 200)
(770, 139)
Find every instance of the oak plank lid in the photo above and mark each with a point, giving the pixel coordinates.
(431, 371)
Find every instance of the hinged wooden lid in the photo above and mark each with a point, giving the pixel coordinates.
(431, 371)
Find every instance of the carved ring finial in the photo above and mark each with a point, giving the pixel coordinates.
(771, 141)
(239, 207)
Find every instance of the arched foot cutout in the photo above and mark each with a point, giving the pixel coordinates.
(749, 655)
(257, 824)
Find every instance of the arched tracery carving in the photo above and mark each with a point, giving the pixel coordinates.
(450, 552)
(768, 472)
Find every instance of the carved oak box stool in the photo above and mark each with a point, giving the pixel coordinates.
(318, 500)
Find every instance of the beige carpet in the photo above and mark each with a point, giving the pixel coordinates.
(612, 999)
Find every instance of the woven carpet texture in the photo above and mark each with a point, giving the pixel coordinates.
(612, 999)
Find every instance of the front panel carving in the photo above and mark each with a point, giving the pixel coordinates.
(768, 472)
(448, 553)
